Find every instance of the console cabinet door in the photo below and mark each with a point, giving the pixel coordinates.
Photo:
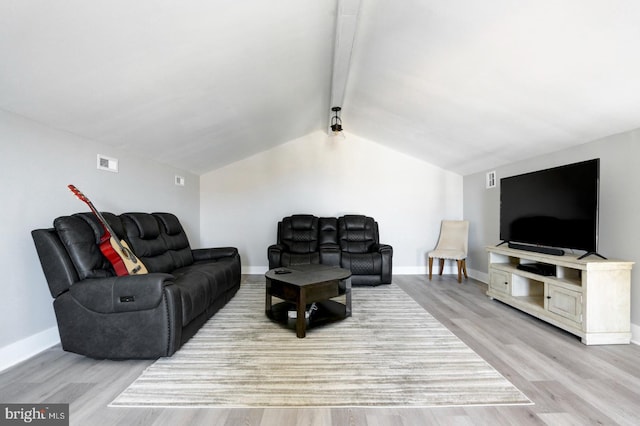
(500, 281)
(564, 302)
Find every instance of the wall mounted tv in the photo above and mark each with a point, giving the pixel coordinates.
(553, 209)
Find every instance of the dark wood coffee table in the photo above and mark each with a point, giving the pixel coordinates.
(301, 286)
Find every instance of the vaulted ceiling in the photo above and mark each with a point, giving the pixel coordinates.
(465, 85)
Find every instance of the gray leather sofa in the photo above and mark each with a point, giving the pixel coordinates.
(102, 315)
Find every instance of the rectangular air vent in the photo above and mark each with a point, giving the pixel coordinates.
(179, 180)
(107, 163)
(491, 179)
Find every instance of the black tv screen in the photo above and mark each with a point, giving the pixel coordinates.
(556, 207)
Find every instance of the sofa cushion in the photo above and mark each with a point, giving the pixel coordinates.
(357, 234)
(299, 233)
(146, 226)
(170, 223)
(328, 230)
(149, 241)
(195, 294)
(362, 263)
(201, 284)
(289, 259)
(175, 239)
(78, 235)
(143, 234)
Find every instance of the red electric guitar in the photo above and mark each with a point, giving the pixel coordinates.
(116, 251)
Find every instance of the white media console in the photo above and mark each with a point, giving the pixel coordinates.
(587, 297)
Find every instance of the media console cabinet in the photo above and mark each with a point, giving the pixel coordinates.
(587, 297)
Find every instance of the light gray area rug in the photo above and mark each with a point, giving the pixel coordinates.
(391, 352)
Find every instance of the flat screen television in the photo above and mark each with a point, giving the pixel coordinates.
(552, 208)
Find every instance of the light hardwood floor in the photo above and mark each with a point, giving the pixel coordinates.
(570, 383)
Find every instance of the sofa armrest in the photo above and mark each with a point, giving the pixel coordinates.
(386, 252)
(384, 248)
(121, 294)
(274, 255)
(330, 254)
(55, 261)
(205, 254)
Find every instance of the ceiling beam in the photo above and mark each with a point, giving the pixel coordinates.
(346, 23)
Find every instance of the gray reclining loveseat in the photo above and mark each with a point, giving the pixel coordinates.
(351, 242)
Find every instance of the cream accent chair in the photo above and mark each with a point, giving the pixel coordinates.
(452, 244)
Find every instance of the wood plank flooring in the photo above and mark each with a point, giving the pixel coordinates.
(570, 383)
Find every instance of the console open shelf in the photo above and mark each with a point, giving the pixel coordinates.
(587, 297)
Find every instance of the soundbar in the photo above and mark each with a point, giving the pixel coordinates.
(538, 249)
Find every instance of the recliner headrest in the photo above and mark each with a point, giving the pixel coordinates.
(146, 225)
(170, 223)
(303, 221)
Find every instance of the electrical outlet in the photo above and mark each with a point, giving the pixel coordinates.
(179, 180)
(107, 163)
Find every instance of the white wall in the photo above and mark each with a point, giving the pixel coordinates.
(619, 204)
(317, 174)
(36, 165)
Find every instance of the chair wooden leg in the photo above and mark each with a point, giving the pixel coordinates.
(459, 262)
(430, 267)
(441, 266)
(464, 268)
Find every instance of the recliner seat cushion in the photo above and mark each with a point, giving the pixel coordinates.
(362, 263)
(196, 292)
(289, 259)
(201, 284)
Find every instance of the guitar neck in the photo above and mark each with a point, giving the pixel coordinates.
(104, 223)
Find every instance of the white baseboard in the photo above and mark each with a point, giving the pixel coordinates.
(254, 270)
(635, 334)
(26, 348)
(478, 275)
(423, 270)
(397, 270)
(412, 270)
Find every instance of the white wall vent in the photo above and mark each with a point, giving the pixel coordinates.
(179, 180)
(107, 163)
(491, 179)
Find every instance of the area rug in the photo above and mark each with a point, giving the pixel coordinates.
(391, 352)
